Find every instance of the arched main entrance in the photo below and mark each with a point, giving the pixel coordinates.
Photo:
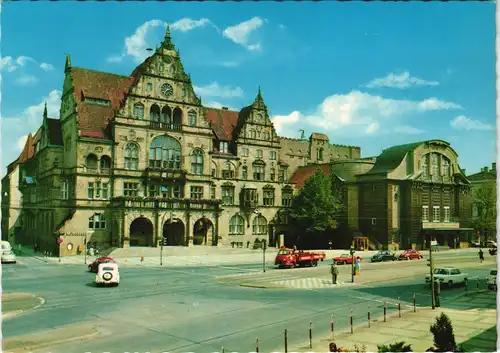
(203, 232)
(141, 232)
(173, 232)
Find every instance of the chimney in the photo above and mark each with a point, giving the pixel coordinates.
(493, 167)
(485, 170)
(225, 108)
(463, 171)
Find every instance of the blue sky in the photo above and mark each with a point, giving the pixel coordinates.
(367, 74)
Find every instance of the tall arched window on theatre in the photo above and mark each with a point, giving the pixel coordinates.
(197, 162)
(259, 225)
(165, 152)
(132, 157)
(446, 169)
(424, 166)
(154, 113)
(236, 225)
(138, 111)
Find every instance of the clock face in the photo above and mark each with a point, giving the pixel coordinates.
(166, 90)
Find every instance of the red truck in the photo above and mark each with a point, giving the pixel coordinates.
(293, 258)
(345, 259)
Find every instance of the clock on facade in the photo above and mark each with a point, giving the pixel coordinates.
(166, 90)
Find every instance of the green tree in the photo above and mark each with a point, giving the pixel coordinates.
(485, 200)
(315, 208)
(394, 347)
(444, 338)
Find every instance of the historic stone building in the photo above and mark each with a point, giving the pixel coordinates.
(409, 195)
(136, 159)
(484, 191)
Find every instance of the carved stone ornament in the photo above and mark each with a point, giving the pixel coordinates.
(123, 138)
(98, 149)
(132, 135)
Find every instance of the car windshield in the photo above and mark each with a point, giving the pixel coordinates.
(344, 255)
(493, 272)
(283, 252)
(6, 247)
(108, 268)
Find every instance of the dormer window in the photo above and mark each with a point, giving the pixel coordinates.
(224, 147)
(96, 101)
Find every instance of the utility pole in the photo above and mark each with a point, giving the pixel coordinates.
(352, 263)
(431, 265)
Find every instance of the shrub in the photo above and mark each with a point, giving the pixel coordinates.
(444, 338)
(395, 347)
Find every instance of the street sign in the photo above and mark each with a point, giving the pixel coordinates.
(59, 240)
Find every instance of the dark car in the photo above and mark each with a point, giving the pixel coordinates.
(384, 255)
(101, 260)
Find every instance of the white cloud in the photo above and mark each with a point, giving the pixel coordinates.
(360, 111)
(26, 80)
(46, 67)
(229, 63)
(408, 130)
(240, 33)
(137, 43)
(10, 64)
(403, 80)
(215, 90)
(187, 24)
(462, 122)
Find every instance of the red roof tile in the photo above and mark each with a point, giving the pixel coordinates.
(223, 122)
(27, 152)
(93, 119)
(302, 174)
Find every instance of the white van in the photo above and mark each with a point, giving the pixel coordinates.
(492, 279)
(107, 274)
(6, 253)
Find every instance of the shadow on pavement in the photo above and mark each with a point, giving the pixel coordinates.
(486, 341)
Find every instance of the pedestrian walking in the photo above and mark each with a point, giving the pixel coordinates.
(481, 255)
(334, 271)
(356, 266)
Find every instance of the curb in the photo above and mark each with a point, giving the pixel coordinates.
(255, 286)
(12, 314)
(33, 347)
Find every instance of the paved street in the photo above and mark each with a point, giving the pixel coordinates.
(206, 308)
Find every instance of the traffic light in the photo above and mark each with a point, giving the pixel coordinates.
(352, 251)
(428, 262)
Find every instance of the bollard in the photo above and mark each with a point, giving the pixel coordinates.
(369, 321)
(331, 329)
(414, 302)
(399, 307)
(477, 283)
(142, 258)
(310, 335)
(385, 311)
(466, 288)
(257, 346)
(352, 329)
(286, 341)
(223, 349)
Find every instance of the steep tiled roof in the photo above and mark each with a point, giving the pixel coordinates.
(55, 134)
(302, 174)
(392, 157)
(93, 119)
(318, 136)
(223, 122)
(28, 150)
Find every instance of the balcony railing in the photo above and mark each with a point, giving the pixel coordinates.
(165, 126)
(165, 203)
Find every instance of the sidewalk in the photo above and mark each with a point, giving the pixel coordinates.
(474, 325)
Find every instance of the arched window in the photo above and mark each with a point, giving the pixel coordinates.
(166, 115)
(138, 111)
(105, 163)
(425, 166)
(97, 221)
(91, 161)
(435, 166)
(259, 225)
(446, 169)
(197, 162)
(236, 225)
(154, 113)
(192, 118)
(165, 152)
(177, 115)
(320, 154)
(132, 156)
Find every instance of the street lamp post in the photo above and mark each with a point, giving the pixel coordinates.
(87, 236)
(352, 263)
(431, 265)
(162, 238)
(264, 256)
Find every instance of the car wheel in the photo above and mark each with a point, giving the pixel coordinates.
(450, 284)
(315, 263)
(345, 262)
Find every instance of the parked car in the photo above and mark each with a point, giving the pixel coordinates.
(101, 260)
(383, 255)
(492, 279)
(107, 274)
(492, 251)
(491, 244)
(410, 255)
(7, 254)
(449, 276)
(345, 259)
